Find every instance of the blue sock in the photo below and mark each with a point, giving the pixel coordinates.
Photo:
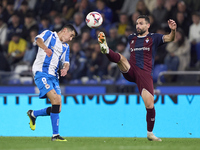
(41, 112)
(55, 122)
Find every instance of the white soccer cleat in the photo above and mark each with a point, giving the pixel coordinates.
(102, 43)
(152, 137)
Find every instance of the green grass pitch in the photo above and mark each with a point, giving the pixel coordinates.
(89, 143)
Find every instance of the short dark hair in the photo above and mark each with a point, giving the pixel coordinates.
(71, 27)
(144, 17)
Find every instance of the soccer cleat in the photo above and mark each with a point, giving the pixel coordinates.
(152, 137)
(32, 120)
(57, 138)
(102, 43)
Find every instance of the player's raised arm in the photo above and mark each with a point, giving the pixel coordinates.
(170, 37)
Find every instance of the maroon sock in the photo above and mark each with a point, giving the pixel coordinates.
(112, 56)
(150, 119)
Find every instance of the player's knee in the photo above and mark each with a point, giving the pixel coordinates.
(148, 98)
(122, 58)
(149, 106)
(57, 99)
(149, 103)
(123, 64)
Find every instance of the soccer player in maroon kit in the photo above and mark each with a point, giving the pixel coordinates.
(139, 68)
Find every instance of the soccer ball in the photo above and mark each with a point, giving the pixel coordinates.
(94, 19)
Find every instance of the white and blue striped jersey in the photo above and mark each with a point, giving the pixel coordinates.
(60, 53)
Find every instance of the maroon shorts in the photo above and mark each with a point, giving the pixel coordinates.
(142, 78)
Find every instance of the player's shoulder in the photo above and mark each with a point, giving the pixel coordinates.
(46, 32)
(155, 35)
(151, 34)
(131, 36)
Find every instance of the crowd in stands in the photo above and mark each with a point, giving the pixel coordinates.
(22, 20)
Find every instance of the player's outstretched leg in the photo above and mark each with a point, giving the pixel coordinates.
(112, 56)
(121, 61)
(32, 119)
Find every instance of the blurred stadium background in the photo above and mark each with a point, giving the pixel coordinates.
(97, 100)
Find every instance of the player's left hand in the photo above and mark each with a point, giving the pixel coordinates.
(172, 24)
(63, 72)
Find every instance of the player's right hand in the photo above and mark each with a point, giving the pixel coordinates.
(48, 52)
(172, 24)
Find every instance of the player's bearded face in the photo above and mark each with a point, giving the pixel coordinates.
(140, 31)
(141, 26)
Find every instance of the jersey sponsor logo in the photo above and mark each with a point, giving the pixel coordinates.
(140, 49)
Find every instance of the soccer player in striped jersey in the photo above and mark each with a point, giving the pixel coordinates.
(139, 68)
(52, 50)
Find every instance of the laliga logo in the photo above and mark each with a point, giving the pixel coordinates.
(96, 19)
